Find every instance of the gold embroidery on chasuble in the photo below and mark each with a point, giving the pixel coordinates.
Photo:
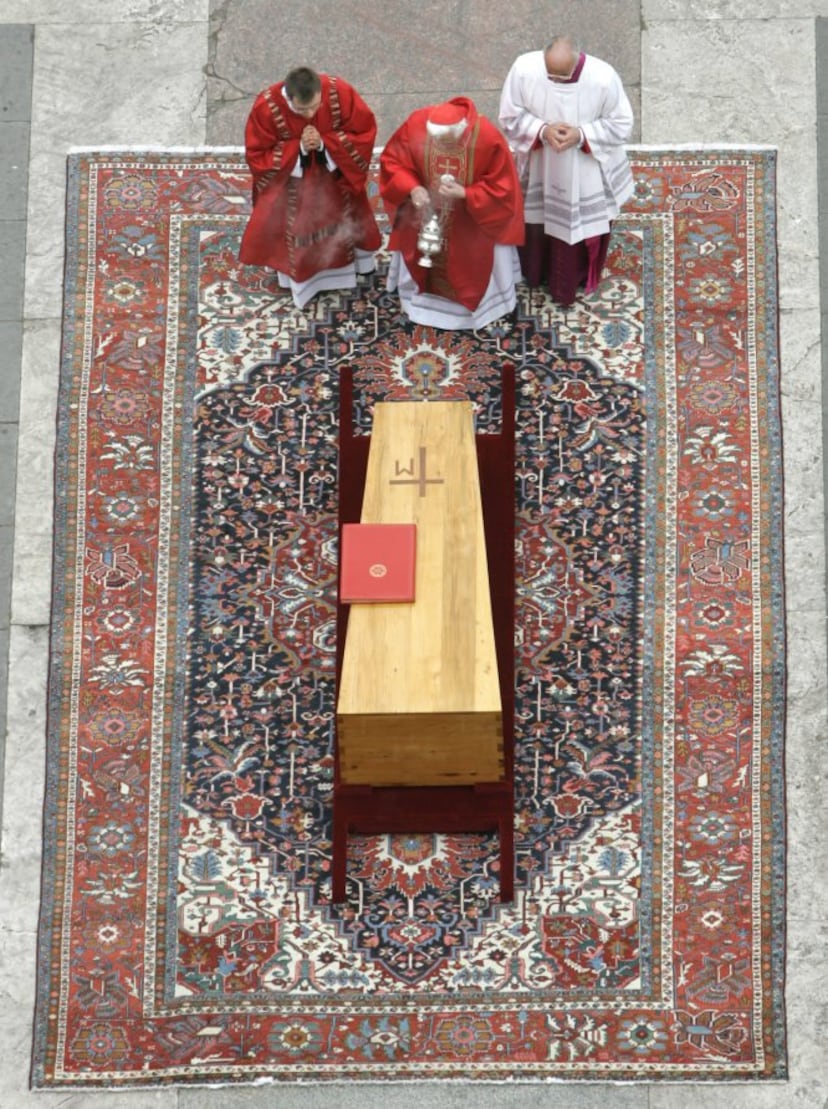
(454, 156)
(283, 133)
(335, 106)
(282, 129)
(336, 126)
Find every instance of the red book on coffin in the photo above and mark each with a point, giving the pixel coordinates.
(377, 563)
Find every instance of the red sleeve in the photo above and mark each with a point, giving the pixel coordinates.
(494, 200)
(352, 133)
(399, 173)
(264, 149)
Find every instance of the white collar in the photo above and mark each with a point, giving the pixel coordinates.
(446, 130)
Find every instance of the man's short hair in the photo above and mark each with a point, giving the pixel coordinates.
(562, 38)
(302, 84)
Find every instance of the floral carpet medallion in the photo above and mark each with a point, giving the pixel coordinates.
(187, 929)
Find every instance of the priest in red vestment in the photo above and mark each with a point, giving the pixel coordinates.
(450, 162)
(308, 144)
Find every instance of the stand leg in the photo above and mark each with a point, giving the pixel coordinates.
(340, 855)
(506, 830)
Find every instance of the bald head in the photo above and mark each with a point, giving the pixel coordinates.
(561, 56)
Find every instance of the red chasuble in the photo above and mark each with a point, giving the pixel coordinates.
(301, 225)
(492, 211)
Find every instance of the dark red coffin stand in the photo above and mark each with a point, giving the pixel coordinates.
(485, 806)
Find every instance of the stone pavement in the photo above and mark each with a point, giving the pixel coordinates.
(184, 72)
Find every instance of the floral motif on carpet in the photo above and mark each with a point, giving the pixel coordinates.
(188, 932)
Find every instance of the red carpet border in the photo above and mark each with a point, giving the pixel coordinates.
(187, 933)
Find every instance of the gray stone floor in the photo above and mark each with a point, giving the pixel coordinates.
(16, 51)
(183, 72)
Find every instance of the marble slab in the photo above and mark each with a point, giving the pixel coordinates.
(158, 12)
(420, 55)
(25, 767)
(712, 10)
(99, 85)
(13, 253)
(14, 158)
(6, 545)
(38, 413)
(799, 353)
(11, 344)
(8, 447)
(15, 70)
(803, 504)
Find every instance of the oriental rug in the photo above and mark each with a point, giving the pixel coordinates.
(187, 931)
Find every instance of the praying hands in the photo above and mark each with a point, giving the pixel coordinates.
(311, 139)
(560, 136)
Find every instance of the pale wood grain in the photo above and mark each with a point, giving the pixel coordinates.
(419, 701)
